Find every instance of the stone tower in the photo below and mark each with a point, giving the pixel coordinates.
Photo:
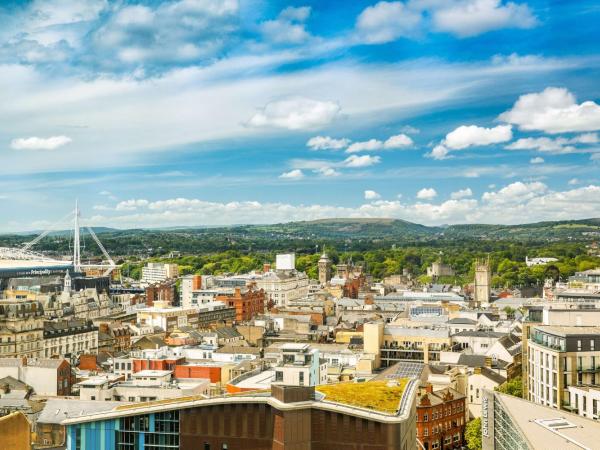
(482, 281)
(324, 269)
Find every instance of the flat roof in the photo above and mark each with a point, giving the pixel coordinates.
(152, 373)
(569, 330)
(531, 418)
(262, 380)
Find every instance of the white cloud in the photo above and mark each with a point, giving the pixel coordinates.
(398, 141)
(595, 157)
(131, 205)
(461, 193)
(365, 146)
(427, 194)
(466, 18)
(471, 135)
(439, 152)
(393, 142)
(327, 172)
(553, 145)
(296, 114)
(361, 161)
(554, 110)
(386, 22)
(573, 181)
(515, 203)
(537, 160)
(371, 195)
(289, 26)
(515, 193)
(37, 143)
(295, 174)
(327, 143)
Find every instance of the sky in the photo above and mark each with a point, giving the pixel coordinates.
(216, 112)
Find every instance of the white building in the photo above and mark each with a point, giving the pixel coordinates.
(586, 401)
(157, 273)
(167, 317)
(70, 338)
(538, 261)
(283, 287)
(144, 386)
(300, 366)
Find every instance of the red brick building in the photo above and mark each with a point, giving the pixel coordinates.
(441, 418)
(156, 364)
(248, 302)
(165, 291)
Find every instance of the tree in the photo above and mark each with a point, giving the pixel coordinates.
(473, 434)
(513, 387)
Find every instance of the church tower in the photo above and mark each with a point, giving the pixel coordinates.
(324, 269)
(482, 282)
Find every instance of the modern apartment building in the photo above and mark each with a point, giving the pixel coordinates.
(288, 417)
(300, 365)
(391, 343)
(560, 357)
(167, 317)
(157, 273)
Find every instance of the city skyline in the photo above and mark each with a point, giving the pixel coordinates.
(159, 114)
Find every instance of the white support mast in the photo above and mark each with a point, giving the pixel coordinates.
(76, 241)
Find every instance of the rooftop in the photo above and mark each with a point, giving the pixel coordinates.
(569, 330)
(544, 427)
(382, 396)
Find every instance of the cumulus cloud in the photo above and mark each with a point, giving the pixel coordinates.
(296, 114)
(393, 142)
(439, 152)
(553, 145)
(289, 27)
(471, 135)
(427, 194)
(515, 203)
(327, 143)
(135, 34)
(461, 193)
(131, 205)
(386, 22)
(37, 143)
(361, 161)
(327, 172)
(537, 160)
(295, 174)
(371, 195)
(515, 193)
(466, 18)
(554, 110)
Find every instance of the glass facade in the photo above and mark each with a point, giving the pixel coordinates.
(506, 435)
(158, 431)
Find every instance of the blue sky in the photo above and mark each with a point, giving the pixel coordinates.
(192, 112)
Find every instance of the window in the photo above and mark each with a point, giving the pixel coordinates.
(425, 432)
(278, 375)
(578, 344)
(206, 446)
(301, 375)
(425, 417)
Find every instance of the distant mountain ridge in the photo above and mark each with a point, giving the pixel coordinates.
(356, 228)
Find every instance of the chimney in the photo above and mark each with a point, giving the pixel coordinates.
(266, 267)
(488, 362)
